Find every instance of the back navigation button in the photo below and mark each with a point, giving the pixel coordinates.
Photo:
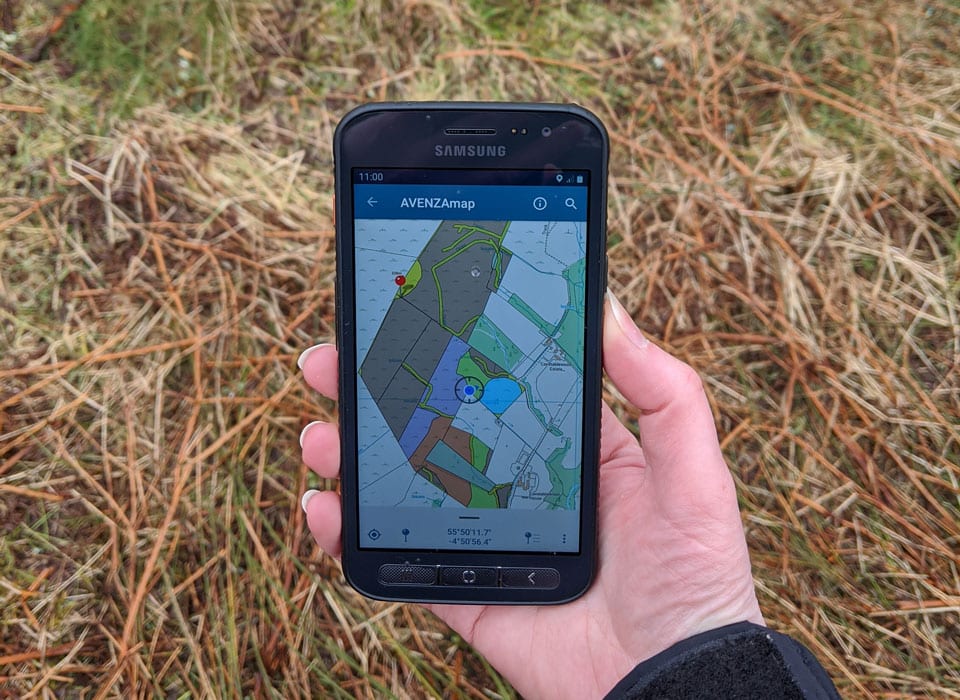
(529, 578)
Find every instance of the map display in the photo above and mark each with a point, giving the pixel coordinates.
(470, 353)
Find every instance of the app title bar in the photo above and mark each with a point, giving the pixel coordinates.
(492, 203)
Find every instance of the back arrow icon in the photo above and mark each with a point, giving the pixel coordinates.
(530, 577)
(371, 202)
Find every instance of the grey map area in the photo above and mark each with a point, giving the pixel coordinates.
(462, 266)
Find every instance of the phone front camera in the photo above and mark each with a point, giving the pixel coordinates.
(545, 131)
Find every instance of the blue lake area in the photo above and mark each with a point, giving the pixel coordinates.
(499, 393)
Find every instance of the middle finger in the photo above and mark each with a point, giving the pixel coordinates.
(320, 442)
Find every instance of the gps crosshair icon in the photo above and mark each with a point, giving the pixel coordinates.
(469, 389)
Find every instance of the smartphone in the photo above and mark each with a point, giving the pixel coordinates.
(471, 268)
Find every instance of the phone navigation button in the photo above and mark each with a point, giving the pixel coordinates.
(407, 574)
(468, 576)
(529, 578)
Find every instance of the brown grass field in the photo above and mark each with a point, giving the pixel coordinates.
(784, 216)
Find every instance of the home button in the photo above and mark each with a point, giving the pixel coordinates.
(468, 576)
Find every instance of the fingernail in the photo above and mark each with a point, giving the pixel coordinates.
(305, 499)
(627, 326)
(306, 353)
(305, 429)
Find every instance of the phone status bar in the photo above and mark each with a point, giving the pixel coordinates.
(413, 176)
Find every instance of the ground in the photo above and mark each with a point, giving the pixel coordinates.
(784, 216)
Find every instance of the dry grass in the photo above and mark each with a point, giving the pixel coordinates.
(785, 216)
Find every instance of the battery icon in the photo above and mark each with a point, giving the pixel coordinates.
(579, 179)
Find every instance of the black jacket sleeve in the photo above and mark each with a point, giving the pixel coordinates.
(742, 660)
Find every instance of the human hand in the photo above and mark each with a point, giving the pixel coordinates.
(673, 560)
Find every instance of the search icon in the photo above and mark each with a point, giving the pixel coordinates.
(569, 203)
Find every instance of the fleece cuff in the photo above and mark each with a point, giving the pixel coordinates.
(742, 660)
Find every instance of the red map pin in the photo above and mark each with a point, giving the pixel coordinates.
(400, 280)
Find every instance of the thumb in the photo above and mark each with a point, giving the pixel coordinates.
(677, 430)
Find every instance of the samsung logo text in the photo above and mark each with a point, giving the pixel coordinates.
(469, 151)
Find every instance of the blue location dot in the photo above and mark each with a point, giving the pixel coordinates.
(469, 389)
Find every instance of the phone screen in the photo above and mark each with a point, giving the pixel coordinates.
(469, 319)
